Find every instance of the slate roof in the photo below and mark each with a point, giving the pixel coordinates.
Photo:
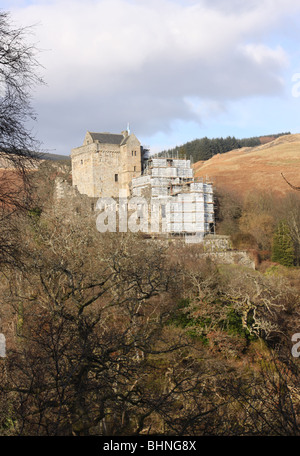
(124, 141)
(107, 138)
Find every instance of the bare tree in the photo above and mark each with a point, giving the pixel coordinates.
(96, 354)
(18, 75)
(18, 148)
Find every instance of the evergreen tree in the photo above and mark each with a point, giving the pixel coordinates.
(205, 148)
(283, 247)
(182, 152)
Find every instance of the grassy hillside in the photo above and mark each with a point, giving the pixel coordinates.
(6, 164)
(259, 168)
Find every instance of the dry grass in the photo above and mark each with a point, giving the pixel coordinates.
(256, 168)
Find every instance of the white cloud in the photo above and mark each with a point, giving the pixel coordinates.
(263, 55)
(112, 61)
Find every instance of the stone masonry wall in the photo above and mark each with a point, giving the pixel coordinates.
(101, 170)
(82, 169)
(106, 165)
(131, 162)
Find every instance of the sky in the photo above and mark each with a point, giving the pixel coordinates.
(174, 70)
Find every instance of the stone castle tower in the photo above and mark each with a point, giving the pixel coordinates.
(106, 163)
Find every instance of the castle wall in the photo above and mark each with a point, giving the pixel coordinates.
(106, 170)
(102, 170)
(131, 162)
(82, 169)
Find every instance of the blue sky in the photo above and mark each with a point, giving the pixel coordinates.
(176, 70)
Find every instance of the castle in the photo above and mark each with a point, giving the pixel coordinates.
(106, 163)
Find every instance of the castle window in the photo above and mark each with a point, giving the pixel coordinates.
(116, 177)
(81, 161)
(132, 152)
(135, 152)
(134, 168)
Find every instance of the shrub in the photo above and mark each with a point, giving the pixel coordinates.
(283, 247)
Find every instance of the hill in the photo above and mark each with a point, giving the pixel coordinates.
(54, 157)
(259, 167)
(6, 164)
(205, 148)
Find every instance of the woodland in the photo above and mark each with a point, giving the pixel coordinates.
(117, 334)
(205, 148)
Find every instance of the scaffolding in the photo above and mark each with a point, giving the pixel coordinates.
(187, 201)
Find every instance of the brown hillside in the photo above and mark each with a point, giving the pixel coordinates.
(256, 168)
